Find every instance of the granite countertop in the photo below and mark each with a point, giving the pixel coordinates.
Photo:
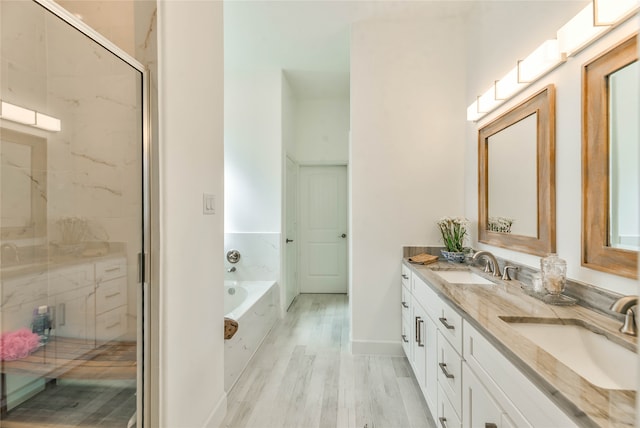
(50, 259)
(484, 305)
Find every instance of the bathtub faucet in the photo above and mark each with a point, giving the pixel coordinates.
(231, 269)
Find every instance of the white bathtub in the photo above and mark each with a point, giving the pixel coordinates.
(254, 304)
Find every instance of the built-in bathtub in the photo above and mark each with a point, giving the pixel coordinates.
(254, 305)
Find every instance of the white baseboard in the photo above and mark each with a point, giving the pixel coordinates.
(368, 347)
(217, 415)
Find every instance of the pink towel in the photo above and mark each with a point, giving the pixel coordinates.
(17, 344)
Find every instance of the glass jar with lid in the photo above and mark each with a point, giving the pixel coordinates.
(554, 274)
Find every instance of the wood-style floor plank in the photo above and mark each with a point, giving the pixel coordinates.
(304, 376)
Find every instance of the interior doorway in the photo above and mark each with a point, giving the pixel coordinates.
(323, 233)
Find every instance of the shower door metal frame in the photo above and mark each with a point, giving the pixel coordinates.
(143, 381)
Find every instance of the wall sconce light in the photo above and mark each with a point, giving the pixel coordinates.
(26, 116)
(579, 31)
(540, 61)
(610, 12)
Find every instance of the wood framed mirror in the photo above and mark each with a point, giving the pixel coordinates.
(610, 230)
(516, 177)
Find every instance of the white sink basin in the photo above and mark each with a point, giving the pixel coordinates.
(591, 355)
(462, 277)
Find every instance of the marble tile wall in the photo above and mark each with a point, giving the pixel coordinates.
(94, 162)
(260, 256)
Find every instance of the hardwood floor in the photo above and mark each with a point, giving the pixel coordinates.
(304, 376)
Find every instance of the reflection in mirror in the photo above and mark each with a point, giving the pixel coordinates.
(23, 178)
(516, 177)
(624, 158)
(513, 191)
(610, 161)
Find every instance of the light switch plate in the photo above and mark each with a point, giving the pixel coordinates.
(208, 203)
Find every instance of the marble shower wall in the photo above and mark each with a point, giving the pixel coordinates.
(260, 256)
(93, 166)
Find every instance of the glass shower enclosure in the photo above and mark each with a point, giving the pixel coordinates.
(72, 223)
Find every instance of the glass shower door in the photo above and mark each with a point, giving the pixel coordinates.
(71, 224)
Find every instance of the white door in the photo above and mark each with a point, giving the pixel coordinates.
(323, 229)
(291, 221)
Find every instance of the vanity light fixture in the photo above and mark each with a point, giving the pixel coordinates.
(610, 12)
(540, 61)
(16, 113)
(30, 117)
(579, 31)
(589, 24)
(508, 85)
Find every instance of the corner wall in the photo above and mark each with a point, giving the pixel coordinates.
(407, 141)
(190, 86)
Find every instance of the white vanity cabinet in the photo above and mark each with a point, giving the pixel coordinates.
(466, 381)
(111, 299)
(498, 381)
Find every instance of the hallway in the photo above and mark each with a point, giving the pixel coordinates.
(304, 376)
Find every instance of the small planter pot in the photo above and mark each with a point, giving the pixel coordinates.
(453, 256)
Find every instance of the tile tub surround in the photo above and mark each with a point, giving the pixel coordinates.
(482, 305)
(259, 256)
(254, 323)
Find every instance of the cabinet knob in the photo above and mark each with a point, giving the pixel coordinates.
(405, 276)
(443, 422)
(490, 425)
(404, 305)
(404, 338)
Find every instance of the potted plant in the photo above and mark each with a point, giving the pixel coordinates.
(453, 231)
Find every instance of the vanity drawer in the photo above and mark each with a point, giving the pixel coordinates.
(406, 304)
(111, 325)
(447, 416)
(110, 269)
(406, 276)
(406, 338)
(425, 296)
(450, 373)
(450, 324)
(111, 294)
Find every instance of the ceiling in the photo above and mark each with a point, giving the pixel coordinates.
(310, 39)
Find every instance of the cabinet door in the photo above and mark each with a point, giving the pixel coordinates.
(479, 409)
(419, 347)
(406, 321)
(75, 314)
(431, 364)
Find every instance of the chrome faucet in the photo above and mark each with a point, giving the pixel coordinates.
(13, 252)
(624, 305)
(492, 263)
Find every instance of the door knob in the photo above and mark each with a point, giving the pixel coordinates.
(344, 235)
(289, 240)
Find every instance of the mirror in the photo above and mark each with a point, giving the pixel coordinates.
(517, 151)
(23, 181)
(610, 230)
(513, 145)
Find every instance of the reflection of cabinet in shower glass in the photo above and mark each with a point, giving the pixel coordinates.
(87, 301)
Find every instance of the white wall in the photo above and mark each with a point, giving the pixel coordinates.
(191, 163)
(407, 141)
(253, 150)
(567, 79)
(322, 130)
(289, 116)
